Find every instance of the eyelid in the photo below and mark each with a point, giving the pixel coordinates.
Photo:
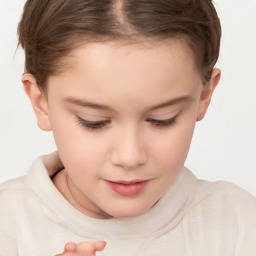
(163, 123)
(93, 125)
(89, 115)
(162, 120)
(101, 124)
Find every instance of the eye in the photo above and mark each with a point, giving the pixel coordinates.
(93, 125)
(163, 123)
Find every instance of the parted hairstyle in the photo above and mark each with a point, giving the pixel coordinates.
(50, 29)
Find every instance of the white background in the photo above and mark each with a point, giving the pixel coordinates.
(224, 144)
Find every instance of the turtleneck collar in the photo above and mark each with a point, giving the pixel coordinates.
(163, 217)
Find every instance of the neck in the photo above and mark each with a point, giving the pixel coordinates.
(75, 197)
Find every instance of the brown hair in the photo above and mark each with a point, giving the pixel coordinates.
(50, 29)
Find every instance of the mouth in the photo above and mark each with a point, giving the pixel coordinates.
(127, 188)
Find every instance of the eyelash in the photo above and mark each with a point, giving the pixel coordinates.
(99, 125)
(93, 126)
(163, 123)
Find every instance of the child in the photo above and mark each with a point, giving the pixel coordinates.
(121, 84)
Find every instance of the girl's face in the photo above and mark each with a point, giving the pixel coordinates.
(123, 119)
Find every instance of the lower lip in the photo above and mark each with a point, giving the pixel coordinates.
(127, 189)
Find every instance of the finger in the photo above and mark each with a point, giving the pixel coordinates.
(69, 254)
(70, 247)
(91, 247)
(99, 245)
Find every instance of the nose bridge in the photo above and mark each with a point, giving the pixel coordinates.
(130, 150)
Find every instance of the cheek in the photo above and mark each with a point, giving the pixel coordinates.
(77, 147)
(171, 151)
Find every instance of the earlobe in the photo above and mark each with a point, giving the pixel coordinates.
(206, 94)
(38, 101)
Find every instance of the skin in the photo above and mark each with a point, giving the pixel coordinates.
(133, 81)
(83, 249)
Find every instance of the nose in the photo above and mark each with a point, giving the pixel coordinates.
(130, 151)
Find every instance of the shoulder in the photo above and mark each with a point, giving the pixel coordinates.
(14, 194)
(223, 197)
(19, 195)
(223, 192)
(13, 183)
(235, 200)
(30, 184)
(221, 215)
(219, 198)
(13, 186)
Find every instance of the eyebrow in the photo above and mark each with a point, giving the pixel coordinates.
(85, 103)
(175, 101)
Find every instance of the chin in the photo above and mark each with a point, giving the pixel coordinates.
(128, 212)
(125, 215)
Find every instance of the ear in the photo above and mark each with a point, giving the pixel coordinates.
(206, 93)
(38, 101)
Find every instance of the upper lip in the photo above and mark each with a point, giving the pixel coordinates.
(127, 182)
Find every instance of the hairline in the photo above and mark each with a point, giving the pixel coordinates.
(120, 42)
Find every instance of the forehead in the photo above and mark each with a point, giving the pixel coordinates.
(143, 56)
(106, 70)
(118, 49)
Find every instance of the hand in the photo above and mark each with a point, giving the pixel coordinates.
(83, 249)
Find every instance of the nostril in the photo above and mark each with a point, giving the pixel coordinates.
(129, 152)
(128, 161)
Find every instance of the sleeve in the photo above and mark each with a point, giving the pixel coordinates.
(7, 245)
(7, 229)
(246, 240)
